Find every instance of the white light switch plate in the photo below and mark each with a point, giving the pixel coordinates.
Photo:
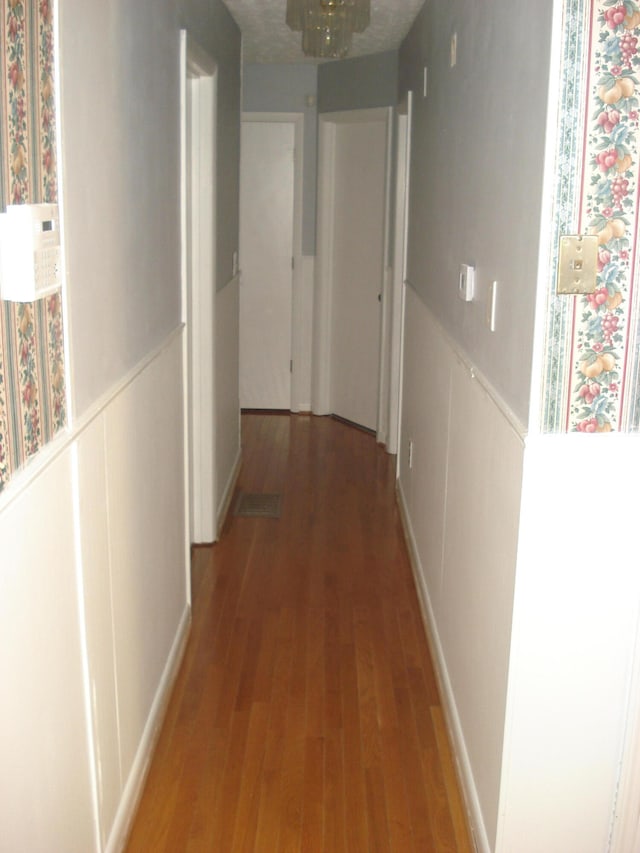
(492, 297)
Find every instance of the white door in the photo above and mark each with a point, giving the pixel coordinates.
(266, 250)
(359, 170)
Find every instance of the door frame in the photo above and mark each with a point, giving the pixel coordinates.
(404, 117)
(297, 396)
(322, 308)
(198, 222)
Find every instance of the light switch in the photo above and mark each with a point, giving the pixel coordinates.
(577, 264)
(492, 298)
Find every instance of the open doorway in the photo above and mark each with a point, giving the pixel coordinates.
(198, 156)
(397, 297)
(270, 244)
(351, 257)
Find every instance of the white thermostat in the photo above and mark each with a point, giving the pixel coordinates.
(466, 282)
(29, 252)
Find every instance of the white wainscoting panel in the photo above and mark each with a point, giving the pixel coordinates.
(95, 553)
(474, 613)
(425, 436)
(145, 483)
(45, 768)
(460, 500)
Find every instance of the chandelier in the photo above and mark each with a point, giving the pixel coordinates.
(327, 26)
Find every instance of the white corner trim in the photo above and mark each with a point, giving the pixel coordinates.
(134, 785)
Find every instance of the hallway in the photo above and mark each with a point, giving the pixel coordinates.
(305, 716)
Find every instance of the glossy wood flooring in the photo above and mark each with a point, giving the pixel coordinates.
(305, 716)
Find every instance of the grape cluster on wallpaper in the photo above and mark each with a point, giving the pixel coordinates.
(32, 384)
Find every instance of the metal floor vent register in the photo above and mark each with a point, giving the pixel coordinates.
(258, 506)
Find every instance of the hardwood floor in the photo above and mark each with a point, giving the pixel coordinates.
(306, 715)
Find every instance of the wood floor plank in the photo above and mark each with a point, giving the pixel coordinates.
(416, 789)
(357, 831)
(312, 816)
(334, 816)
(306, 716)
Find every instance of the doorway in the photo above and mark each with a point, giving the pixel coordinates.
(397, 297)
(352, 240)
(270, 238)
(198, 169)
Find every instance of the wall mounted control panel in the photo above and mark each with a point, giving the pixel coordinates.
(466, 282)
(29, 252)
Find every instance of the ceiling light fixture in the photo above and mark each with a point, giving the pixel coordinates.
(327, 26)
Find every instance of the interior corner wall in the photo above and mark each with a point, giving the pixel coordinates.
(361, 83)
(285, 88)
(574, 639)
(478, 145)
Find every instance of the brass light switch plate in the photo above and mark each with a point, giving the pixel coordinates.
(578, 264)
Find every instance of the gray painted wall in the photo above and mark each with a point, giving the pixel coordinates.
(358, 84)
(284, 89)
(476, 175)
(120, 125)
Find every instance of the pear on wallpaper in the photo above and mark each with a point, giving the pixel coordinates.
(17, 164)
(47, 89)
(57, 380)
(25, 319)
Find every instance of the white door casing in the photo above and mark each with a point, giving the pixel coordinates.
(266, 260)
(198, 159)
(403, 165)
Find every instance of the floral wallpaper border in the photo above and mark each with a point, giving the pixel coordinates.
(567, 168)
(593, 363)
(32, 385)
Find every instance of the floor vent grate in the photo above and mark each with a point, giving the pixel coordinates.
(258, 506)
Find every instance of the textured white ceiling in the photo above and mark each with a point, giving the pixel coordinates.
(266, 37)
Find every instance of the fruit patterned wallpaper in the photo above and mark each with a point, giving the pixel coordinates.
(32, 390)
(592, 381)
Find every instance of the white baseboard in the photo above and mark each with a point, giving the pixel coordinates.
(452, 718)
(135, 783)
(228, 493)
